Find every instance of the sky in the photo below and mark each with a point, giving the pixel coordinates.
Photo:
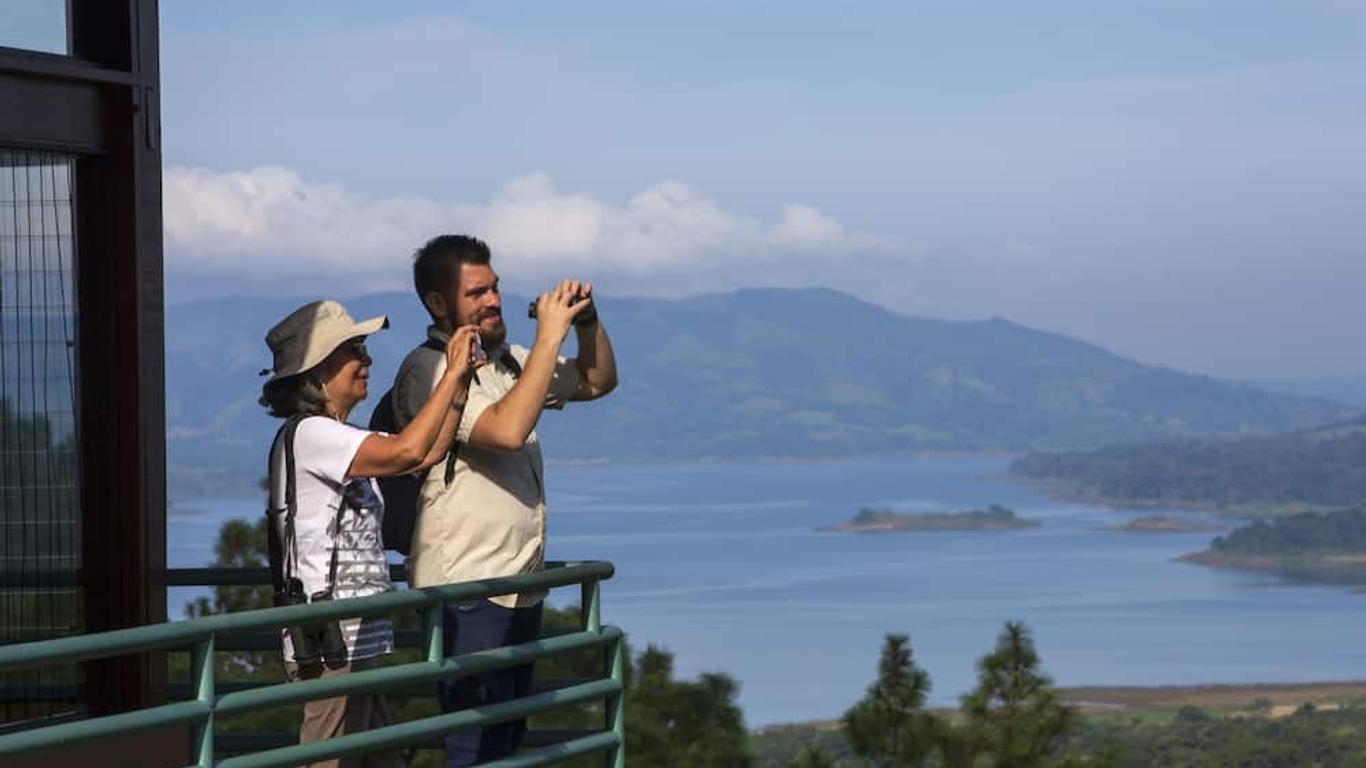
(1181, 182)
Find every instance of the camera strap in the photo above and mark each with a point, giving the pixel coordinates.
(515, 368)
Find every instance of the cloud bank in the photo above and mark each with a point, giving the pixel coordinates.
(269, 221)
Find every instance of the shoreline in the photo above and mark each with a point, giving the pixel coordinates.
(1109, 699)
(1344, 570)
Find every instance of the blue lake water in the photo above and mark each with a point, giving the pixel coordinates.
(721, 563)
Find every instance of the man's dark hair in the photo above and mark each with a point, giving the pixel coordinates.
(435, 264)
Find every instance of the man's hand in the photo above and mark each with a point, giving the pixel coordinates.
(557, 308)
(589, 316)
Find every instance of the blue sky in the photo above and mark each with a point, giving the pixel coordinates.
(1178, 181)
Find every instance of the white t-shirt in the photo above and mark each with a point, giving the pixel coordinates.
(323, 451)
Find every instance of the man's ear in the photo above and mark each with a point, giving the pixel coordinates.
(435, 303)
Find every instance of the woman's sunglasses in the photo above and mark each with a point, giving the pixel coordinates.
(357, 349)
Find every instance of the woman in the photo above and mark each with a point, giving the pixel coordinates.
(332, 547)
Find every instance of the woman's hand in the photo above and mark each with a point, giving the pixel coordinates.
(428, 436)
(463, 354)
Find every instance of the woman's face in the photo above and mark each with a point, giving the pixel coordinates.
(345, 375)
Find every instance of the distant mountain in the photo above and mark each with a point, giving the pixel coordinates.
(755, 373)
(1344, 389)
(1315, 469)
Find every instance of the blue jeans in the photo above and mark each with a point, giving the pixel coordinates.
(479, 626)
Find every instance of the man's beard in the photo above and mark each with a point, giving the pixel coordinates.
(493, 339)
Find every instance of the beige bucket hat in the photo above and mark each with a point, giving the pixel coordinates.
(311, 333)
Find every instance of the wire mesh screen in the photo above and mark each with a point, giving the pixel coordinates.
(39, 502)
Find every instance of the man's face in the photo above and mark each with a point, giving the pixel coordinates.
(477, 302)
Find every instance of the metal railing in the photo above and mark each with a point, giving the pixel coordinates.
(209, 700)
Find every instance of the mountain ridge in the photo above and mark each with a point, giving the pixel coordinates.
(757, 372)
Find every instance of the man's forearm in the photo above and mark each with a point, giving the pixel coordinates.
(506, 424)
(597, 362)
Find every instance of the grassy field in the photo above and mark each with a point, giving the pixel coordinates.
(1161, 704)
(1105, 698)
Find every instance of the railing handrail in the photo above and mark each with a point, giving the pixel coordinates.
(232, 576)
(199, 636)
(179, 634)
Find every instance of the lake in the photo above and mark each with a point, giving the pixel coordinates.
(721, 564)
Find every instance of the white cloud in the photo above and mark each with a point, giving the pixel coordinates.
(269, 220)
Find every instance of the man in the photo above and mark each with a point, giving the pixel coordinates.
(483, 514)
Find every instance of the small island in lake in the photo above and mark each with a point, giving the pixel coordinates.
(993, 518)
(1162, 524)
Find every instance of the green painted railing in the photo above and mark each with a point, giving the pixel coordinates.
(210, 700)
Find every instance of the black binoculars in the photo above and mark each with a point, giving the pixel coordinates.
(319, 642)
(587, 316)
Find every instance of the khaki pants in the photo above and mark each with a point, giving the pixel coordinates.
(326, 718)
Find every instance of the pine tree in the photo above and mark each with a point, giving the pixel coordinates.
(889, 725)
(683, 724)
(1014, 713)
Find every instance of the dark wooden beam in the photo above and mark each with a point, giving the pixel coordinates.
(101, 105)
(120, 347)
(58, 67)
(42, 113)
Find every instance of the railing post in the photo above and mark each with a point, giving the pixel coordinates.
(615, 708)
(435, 635)
(590, 607)
(202, 676)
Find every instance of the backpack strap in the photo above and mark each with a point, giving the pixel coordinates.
(283, 568)
(509, 361)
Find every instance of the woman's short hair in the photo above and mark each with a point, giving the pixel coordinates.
(300, 393)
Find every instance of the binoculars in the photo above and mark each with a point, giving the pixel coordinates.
(587, 316)
(320, 642)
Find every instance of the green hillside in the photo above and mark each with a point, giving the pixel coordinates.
(1322, 468)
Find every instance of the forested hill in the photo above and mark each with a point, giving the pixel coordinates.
(754, 373)
(1328, 547)
(1321, 468)
(1343, 389)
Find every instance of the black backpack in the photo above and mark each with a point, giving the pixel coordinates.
(400, 491)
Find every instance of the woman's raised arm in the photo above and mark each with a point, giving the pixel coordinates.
(411, 449)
